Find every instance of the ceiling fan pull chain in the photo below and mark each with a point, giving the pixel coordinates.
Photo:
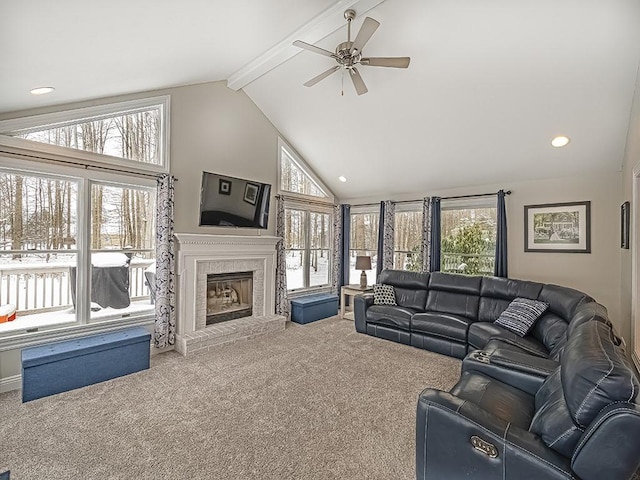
(342, 78)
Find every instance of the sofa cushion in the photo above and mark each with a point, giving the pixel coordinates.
(497, 292)
(480, 333)
(520, 315)
(502, 400)
(550, 329)
(442, 325)
(562, 301)
(390, 316)
(383, 295)
(595, 372)
(410, 287)
(450, 282)
(552, 421)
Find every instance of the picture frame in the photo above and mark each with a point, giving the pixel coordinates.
(224, 187)
(625, 221)
(558, 227)
(251, 193)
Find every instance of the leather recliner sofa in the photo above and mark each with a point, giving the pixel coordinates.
(580, 422)
(454, 314)
(559, 402)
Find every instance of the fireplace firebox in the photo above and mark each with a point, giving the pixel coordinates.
(229, 296)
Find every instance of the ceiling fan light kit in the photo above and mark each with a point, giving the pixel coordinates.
(349, 54)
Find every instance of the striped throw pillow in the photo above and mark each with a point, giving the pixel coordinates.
(521, 314)
(384, 295)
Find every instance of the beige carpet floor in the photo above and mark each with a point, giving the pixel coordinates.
(317, 401)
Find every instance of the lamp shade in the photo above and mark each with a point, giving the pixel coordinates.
(363, 263)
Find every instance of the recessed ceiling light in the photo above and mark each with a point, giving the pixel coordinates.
(560, 141)
(342, 178)
(42, 90)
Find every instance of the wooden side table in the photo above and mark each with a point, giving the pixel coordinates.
(350, 291)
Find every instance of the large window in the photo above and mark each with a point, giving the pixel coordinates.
(307, 235)
(468, 236)
(308, 223)
(364, 241)
(77, 242)
(134, 131)
(407, 245)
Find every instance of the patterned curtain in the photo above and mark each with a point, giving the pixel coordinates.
(426, 234)
(386, 236)
(434, 252)
(165, 324)
(501, 268)
(282, 302)
(336, 263)
(346, 244)
(389, 233)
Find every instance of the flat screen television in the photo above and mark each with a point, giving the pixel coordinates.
(233, 202)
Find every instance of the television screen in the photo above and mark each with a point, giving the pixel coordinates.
(233, 202)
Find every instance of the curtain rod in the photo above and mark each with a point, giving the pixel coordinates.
(508, 192)
(84, 165)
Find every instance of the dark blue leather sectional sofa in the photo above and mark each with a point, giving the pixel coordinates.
(560, 402)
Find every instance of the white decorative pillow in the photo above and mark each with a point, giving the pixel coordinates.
(521, 314)
(384, 295)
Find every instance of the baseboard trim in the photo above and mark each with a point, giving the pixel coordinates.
(13, 382)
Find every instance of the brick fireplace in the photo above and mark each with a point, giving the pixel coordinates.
(202, 258)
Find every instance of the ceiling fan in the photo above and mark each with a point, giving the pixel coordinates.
(349, 54)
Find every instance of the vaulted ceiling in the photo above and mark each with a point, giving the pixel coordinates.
(490, 83)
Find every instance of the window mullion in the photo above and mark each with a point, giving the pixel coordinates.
(307, 248)
(83, 277)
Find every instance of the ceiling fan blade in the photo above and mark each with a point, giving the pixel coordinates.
(313, 48)
(369, 26)
(395, 62)
(322, 76)
(361, 88)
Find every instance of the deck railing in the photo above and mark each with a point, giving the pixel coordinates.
(468, 263)
(47, 287)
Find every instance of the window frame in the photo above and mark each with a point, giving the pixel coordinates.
(467, 204)
(83, 157)
(23, 161)
(307, 209)
(362, 210)
(283, 146)
(307, 204)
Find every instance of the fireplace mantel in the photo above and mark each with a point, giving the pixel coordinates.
(200, 254)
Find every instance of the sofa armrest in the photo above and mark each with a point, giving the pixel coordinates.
(523, 376)
(609, 446)
(458, 439)
(361, 302)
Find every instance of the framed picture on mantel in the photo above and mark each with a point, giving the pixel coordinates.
(558, 227)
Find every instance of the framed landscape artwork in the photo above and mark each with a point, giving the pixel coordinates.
(558, 227)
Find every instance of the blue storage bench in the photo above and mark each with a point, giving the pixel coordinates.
(313, 307)
(61, 366)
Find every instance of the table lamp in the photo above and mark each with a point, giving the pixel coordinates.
(363, 263)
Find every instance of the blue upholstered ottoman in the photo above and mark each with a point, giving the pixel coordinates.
(61, 366)
(313, 307)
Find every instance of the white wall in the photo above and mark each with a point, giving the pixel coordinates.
(597, 273)
(631, 160)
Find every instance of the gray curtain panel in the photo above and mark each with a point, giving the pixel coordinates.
(336, 263)
(434, 252)
(282, 302)
(501, 268)
(426, 234)
(165, 324)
